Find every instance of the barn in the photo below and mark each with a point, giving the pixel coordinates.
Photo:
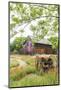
(43, 47)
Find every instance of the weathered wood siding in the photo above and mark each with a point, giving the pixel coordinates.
(42, 48)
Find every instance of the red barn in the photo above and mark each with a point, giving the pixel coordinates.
(43, 47)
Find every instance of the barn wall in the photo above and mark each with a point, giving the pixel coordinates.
(47, 49)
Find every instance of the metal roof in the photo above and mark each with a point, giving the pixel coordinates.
(44, 41)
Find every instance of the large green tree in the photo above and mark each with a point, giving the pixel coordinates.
(45, 15)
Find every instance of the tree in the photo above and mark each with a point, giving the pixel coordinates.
(17, 44)
(46, 16)
(54, 41)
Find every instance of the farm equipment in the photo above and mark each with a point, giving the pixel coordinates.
(44, 63)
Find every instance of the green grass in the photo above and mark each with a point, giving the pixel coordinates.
(20, 73)
(13, 63)
(28, 59)
(34, 79)
(28, 75)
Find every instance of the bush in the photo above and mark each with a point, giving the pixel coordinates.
(17, 44)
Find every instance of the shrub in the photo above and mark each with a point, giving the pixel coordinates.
(17, 44)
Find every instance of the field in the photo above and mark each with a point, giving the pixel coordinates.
(24, 73)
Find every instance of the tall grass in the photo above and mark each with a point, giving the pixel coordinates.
(13, 63)
(34, 80)
(29, 76)
(19, 73)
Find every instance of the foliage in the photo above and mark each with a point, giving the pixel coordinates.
(54, 41)
(31, 11)
(17, 44)
(45, 15)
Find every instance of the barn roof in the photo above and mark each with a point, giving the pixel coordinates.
(44, 41)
